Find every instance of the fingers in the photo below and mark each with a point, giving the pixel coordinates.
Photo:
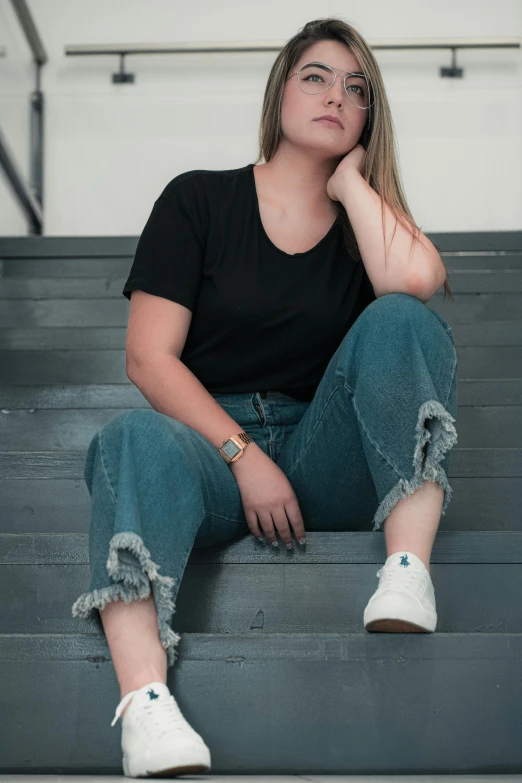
(253, 526)
(267, 523)
(282, 526)
(277, 521)
(293, 512)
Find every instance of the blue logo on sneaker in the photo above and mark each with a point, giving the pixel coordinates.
(152, 695)
(404, 561)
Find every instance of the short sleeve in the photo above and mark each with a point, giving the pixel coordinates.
(169, 255)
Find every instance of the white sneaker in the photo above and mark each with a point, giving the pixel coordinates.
(155, 737)
(404, 602)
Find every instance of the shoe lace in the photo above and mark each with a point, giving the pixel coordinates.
(413, 581)
(161, 717)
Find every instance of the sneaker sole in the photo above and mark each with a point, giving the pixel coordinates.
(388, 614)
(177, 769)
(396, 626)
(188, 770)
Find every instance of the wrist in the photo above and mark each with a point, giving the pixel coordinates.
(247, 455)
(352, 178)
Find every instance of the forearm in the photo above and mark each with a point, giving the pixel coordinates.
(414, 269)
(172, 389)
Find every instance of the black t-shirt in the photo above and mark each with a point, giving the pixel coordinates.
(263, 319)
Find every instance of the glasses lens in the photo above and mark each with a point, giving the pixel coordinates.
(358, 91)
(314, 78)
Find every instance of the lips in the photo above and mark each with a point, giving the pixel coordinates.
(330, 119)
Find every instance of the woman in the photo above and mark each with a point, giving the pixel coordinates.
(313, 390)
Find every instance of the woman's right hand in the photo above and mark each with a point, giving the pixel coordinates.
(267, 496)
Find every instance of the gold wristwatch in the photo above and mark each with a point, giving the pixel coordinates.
(232, 449)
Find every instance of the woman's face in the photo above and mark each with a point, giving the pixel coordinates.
(299, 109)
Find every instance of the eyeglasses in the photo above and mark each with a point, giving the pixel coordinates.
(315, 77)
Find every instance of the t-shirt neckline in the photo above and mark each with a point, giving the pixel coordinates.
(250, 167)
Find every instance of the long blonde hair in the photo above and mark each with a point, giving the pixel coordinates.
(381, 169)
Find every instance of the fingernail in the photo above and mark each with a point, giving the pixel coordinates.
(302, 540)
(260, 538)
(275, 543)
(289, 546)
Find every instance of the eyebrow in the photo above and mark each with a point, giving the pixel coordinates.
(323, 65)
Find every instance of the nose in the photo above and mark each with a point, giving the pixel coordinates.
(337, 91)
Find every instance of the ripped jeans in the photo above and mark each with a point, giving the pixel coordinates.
(379, 425)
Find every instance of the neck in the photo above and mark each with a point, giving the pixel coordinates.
(298, 177)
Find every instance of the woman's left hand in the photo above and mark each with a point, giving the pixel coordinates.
(353, 160)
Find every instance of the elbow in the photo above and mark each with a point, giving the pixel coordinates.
(132, 366)
(425, 283)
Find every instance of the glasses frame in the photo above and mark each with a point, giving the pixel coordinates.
(334, 71)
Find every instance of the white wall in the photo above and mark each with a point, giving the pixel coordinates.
(110, 149)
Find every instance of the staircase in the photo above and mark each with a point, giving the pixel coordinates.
(275, 670)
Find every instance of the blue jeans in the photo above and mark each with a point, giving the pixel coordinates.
(379, 425)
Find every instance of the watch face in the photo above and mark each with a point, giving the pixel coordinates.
(230, 448)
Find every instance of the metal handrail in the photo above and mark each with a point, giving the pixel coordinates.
(30, 197)
(272, 46)
(14, 176)
(31, 33)
(233, 46)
